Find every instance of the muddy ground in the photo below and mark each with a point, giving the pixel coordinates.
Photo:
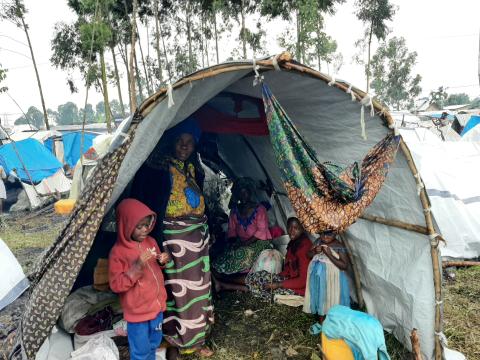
(265, 331)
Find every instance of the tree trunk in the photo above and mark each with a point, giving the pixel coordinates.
(298, 52)
(319, 29)
(368, 59)
(216, 37)
(189, 38)
(147, 77)
(124, 54)
(242, 31)
(45, 116)
(169, 70)
(157, 42)
(108, 117)
(117, 79)
(138, 77)
(133, 96)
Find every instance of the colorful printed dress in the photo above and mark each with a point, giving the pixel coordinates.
(238, 257)
(327, 285)
(187, 277)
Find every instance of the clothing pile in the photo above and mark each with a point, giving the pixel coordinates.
(90, 314)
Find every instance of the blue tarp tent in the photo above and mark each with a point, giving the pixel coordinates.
(474, 121)
(38, 160)
(71, 146)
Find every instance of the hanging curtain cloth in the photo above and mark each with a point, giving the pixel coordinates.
(324, 196)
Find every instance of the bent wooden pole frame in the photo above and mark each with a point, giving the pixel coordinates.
(396, 223)
(434, 240)
(284, 61)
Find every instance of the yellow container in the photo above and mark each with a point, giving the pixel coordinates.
(336, 349)
(64, 206)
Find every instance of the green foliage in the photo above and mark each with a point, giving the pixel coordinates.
(392, 67)
(68, 114)
(33, 117)
(439, 97)
(14, 11)
(458, 99)
(88, 113)
(375, 14)
(3, 76)
(310, 44)
(475, 104)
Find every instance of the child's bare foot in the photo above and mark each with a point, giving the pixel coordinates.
(205, 352)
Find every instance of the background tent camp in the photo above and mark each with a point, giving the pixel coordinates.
(38, 170)
(394, 245)
(449, 170)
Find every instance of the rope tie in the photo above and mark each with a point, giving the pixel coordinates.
(433, 236)
(442, 337)
(170, 95)
(275, 63)
(438, 302)
(258, 78)
(392, 127)
(427, 210)
(349, 91)
(332, 81)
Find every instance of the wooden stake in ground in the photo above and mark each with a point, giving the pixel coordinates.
(417, 355)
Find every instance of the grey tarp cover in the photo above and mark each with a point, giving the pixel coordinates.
(395, 265)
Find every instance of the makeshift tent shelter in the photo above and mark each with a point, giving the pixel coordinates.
(471, 132)
(38, 170)
(394, 244)
(75, 143)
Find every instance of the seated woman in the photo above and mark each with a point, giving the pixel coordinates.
(292, 280)
(248, 235)
(327, 280)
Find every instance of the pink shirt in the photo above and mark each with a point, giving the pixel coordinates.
(256, 225)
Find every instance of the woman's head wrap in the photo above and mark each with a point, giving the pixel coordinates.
(187, 126)
(246, 183)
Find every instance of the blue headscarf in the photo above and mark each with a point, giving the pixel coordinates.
(187, 126)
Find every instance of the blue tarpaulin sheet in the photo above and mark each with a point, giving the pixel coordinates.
(38, 160)
(474, 121)
(71, 146)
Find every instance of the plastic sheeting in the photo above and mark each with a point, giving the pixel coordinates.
(451, 172)
(72, 142)
(14, 282)
(395, 265)
(32, 155)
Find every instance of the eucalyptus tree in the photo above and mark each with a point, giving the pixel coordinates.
(374, 14)
(14, 11)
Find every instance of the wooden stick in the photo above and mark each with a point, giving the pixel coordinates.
(437, 270)
(396, 223)
(356, 273)
(460, 263)
(417, 355)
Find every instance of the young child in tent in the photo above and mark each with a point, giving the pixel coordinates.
(135, 274)
(327, 282)
(293, 278)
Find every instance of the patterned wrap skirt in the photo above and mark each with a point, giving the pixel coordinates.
(189, 313)
(238, 258)
(257, 280)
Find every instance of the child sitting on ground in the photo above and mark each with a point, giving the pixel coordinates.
(292, 280)
(327, 283)
(135, 274)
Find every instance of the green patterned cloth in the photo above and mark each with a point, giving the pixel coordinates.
(238, 257)
(324, 196)
(189, 313)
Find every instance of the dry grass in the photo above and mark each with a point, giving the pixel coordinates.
(462, 313)
(273, 330)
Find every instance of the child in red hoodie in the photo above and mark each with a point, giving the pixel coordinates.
(135, 274)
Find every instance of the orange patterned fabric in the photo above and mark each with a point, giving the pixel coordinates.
(324, 196)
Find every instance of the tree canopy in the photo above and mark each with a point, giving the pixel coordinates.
(392, 68)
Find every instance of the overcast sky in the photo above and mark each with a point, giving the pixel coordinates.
(445, 34)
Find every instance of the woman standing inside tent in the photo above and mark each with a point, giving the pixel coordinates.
(170, 183)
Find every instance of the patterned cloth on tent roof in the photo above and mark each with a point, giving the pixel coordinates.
(324, 196)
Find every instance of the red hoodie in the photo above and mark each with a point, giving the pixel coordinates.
(141, 288)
